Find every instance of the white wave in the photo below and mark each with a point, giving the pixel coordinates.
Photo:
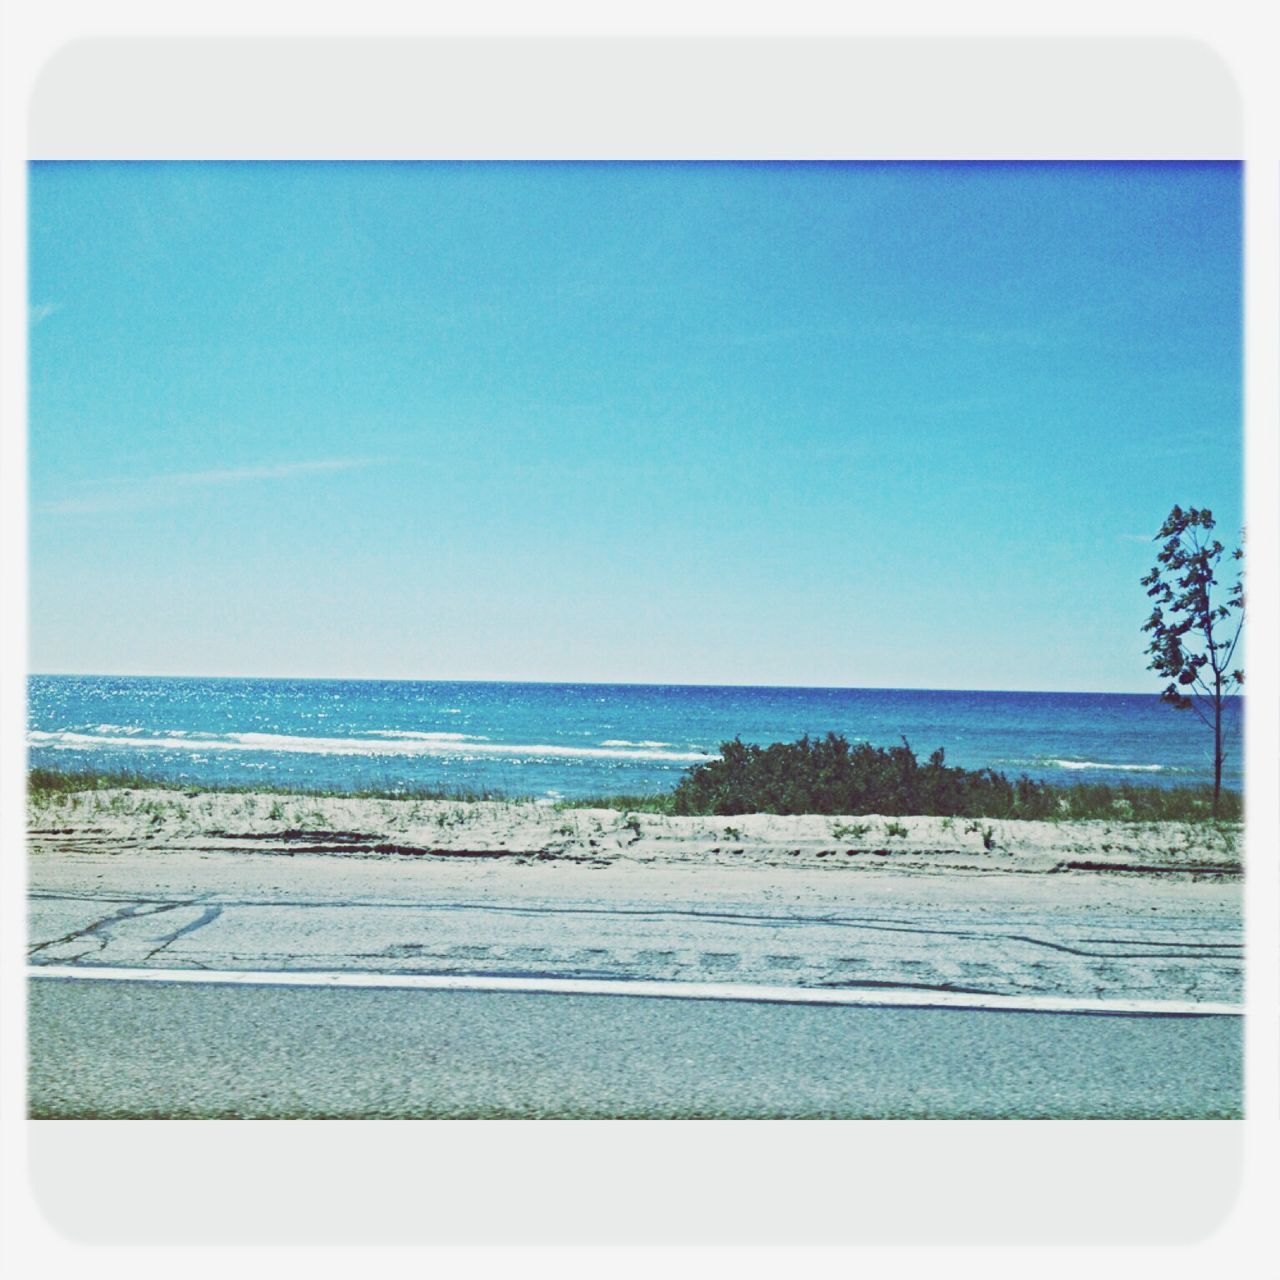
(1093, 764)
(403, 745)
(622, 742)
(428, 737)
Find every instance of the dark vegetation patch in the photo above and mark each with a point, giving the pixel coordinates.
(828, 775)
(1144, 868)
(310, 834)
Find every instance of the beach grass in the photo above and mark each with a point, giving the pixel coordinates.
(44, 785)
(1125, 802)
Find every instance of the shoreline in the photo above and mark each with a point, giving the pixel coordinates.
(1120, 801)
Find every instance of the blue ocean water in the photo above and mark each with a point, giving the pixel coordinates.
(575, 740)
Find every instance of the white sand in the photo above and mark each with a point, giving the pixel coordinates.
(111, 821)
(1110, 910)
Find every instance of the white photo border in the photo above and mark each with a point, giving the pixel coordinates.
(668, 1181)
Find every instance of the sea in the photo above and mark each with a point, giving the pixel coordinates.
(571, 741)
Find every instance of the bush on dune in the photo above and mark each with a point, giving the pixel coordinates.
(828, 775)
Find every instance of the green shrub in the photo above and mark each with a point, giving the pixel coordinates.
(845, 830)
(828, 775)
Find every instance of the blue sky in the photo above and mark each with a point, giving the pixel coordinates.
(867, 425)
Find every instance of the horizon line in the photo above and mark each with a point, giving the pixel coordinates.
(626, 684)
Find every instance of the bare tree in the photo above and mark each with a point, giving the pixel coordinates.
(1194, 633)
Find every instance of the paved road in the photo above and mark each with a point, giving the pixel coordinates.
(126, 1049)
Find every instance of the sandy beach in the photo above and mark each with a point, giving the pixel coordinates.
(457, 840)
(239, 880)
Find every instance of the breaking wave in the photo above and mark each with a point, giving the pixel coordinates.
(1119, 768)
(383, 742)
(415, 735)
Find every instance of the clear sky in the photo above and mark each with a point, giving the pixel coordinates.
(866, 425)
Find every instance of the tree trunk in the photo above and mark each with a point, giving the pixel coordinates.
(1217, 751)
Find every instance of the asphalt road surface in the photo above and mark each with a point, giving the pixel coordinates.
(133, 1049)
